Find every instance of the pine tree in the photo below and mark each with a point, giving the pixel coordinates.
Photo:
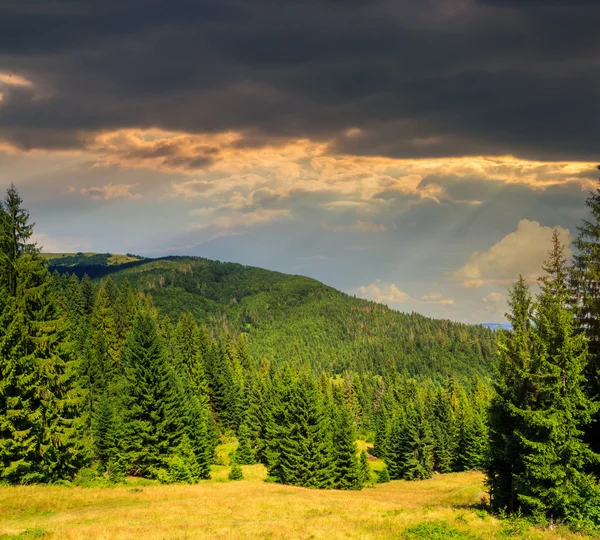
(443, 432)
(585, 292)
(347, 474)
(364, 468)
(244, 453)
(555, 485)
(411, 446)
(40, 424)
(106, 436)
(303, 441)
(236, 471)
(153, 401)
(384, 476)
(514, 391)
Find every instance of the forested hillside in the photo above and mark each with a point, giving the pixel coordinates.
(296, 318)
(143, 372)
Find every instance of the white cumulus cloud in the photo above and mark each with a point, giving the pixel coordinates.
(389, 293)
(520, 252)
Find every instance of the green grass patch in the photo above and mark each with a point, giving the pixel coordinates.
(436, 530)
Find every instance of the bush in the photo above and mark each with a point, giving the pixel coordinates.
(236, 472)
(383, 476)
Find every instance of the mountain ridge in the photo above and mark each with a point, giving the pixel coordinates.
(293, 317)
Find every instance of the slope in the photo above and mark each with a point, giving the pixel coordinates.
(290, 317)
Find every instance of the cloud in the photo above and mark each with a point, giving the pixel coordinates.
(475, 78)
(494, 298)
(389, 293)
(12, 79)
(361, 226)
(386, 293)
(520, 252)
(109, 191)
(436, 298)
(61, 244)
(242, 220)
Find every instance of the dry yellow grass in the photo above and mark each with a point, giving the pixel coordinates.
(253, 508)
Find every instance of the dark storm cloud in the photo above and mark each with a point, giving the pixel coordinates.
(419, 78)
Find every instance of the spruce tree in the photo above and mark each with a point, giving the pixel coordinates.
(384, 476)
(585, 295)
(347, 474)
(515, 391)
(153, 401)
(364, 468)
(106, 433)
(41, 438)
(303, 455)
(411, 446)
(556, 485)
(244, 453)
(236, 471)
(443, 432)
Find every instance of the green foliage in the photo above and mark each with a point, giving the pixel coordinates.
(383, 476)
(364, 469)
(547, 440)
(40, 404)
(411, 446)
(236, 472)
(287, 318)
(347, 472)
(300, 447)
(152, 400)
(244, 455)
(436, 530)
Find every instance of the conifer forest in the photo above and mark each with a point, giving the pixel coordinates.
(141, 369)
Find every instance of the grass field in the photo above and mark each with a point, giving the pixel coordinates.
(444, 507)
(113, 260)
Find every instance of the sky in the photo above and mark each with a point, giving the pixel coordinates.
(413, 152)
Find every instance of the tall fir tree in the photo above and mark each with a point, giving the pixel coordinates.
(347, 474)
(303, 440)
(514, 391)
(584, 284)
(244, 454)
(410, 454)
(40, 404)
(153, 401)
(556, 485)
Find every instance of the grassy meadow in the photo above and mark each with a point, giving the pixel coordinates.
(445, 507)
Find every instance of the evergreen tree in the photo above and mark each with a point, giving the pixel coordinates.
(188, 355)
(411, 446)
(347, 474)
(244, 453)
(442, 429)
(303, 455)
(384, 476)
(106, 434)
(514, 391)
(257, 414)
(585, 292)
(236, 471)
(40, 424)
(555, 485)
(364, 468)
(153, 401)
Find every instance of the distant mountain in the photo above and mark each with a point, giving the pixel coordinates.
(497, 326)
(290, 317)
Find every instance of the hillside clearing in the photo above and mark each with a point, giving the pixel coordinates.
(437, 508)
